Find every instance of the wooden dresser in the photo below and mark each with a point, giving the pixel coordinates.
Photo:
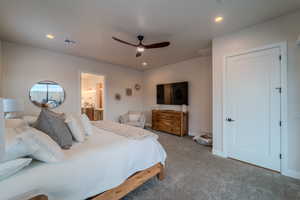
(170, 121)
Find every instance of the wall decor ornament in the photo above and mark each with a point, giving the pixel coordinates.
(137, 87)
(118, 97)
(128, 91)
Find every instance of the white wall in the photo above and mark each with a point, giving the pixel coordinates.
(198, 72)
(2, 148)
(24, 66)
(286, 28)
(1, 68)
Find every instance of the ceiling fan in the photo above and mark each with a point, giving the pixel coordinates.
(141, 47)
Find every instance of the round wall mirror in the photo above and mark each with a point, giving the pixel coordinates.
(47, 94)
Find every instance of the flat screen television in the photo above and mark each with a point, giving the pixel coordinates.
(172, 93)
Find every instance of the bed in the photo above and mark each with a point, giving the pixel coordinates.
(106, 166)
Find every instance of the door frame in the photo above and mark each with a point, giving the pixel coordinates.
(104, 95)
(283, 76)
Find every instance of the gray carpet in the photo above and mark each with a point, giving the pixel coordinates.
(193, 173)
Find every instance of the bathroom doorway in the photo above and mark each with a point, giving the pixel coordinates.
(92, 96)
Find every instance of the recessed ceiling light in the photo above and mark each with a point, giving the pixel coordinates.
(218, 19)
(144, 64)
(50, 36)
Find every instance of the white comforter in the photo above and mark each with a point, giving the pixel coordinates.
(102, 162)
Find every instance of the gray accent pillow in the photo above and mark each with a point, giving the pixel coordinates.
(55, 127)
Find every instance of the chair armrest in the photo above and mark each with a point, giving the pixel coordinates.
(142, 120)
(124, 119)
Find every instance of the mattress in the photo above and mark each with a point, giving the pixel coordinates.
(101, 163)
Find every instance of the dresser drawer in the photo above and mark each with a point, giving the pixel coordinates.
(169, 121)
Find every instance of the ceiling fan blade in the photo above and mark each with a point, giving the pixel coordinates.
(138, 54)
(157, 45)
(124, 42)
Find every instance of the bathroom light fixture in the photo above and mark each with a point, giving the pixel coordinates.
(50, 36)
(218, 19)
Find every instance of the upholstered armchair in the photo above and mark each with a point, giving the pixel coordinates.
(133, 118)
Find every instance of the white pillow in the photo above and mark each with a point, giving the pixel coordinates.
(87, 126)
(14, 123)
(33, 143)
(47, 150)
(134, 117)
(76, 127)
(14, 146)
(11, 167)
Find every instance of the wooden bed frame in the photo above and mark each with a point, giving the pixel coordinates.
(129, 185)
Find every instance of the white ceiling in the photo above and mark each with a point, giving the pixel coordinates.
(187, 24)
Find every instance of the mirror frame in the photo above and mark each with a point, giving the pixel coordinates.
(41, 106)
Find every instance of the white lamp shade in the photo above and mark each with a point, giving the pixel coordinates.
(12, 105)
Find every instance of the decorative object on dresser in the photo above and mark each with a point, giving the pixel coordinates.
(170, 121)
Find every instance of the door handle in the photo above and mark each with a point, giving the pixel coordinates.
(229, 120)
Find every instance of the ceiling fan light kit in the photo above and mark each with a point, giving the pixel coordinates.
(141, 47)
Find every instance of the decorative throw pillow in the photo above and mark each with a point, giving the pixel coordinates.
(134, 117)
(30, 142)
(43, 147)
(87, 126)
(14, 146)
(76, 127)
(11, 167)
(54, 125)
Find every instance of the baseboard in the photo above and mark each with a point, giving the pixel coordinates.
(148, 125)
(219, 153)
(291, 173)
(192, 134)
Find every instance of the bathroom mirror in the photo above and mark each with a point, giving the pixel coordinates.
(47, 94)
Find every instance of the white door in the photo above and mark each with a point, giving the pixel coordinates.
(252, 107)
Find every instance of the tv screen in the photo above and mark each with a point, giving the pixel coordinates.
(172, 94)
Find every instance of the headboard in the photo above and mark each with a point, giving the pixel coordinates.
(1, 129)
